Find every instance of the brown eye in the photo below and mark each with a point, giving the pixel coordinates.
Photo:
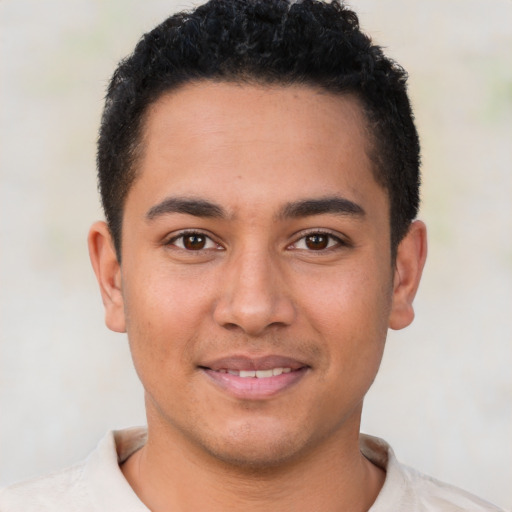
(317, 241)
(194, 242)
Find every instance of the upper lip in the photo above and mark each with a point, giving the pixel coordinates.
(245, 363)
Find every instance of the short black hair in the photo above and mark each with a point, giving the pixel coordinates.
(274, 42)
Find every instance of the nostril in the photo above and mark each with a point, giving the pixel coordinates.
(231, 326)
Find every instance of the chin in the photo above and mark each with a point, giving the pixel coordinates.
(255, 448)
(253, 456)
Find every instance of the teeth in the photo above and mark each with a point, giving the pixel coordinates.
(263, 374)
(259, 374)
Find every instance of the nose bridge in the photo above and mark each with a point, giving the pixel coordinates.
(253, 293)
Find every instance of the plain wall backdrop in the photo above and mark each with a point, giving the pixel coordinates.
(443, 398)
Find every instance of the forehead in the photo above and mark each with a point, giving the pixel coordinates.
(254, 142)
(210, 109)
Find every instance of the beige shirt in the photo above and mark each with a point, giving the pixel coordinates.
(98, 485)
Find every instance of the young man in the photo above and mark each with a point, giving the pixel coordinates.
(259, 171)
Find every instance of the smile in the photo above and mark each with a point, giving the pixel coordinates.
(258, 374)
(248, 378)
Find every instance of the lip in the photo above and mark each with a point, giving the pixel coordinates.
(254, 388)
(242, 362)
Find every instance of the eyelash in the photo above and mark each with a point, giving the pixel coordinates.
(181, 236)
(333, 241)
(338, 242)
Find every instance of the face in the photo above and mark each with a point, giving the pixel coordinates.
(256, 285)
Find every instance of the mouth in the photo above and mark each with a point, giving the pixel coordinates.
(254, 378)
(256, 374)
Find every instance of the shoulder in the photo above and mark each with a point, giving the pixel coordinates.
(93, 485)
(407, 490)
(63, 490)
(433, 494)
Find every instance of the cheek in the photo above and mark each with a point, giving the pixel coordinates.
(163, 315)
(356, 297)
(351, 310)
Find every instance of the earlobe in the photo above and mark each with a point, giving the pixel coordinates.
(108, 273)
(410, 260)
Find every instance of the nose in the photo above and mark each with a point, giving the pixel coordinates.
(253, 294)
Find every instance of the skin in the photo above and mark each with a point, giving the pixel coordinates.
(253, 284)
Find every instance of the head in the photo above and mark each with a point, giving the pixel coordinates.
(257, 162)
(266, 42)
(256, 239)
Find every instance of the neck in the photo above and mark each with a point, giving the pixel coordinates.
(170, 474)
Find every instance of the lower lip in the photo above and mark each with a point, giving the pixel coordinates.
(252, 388)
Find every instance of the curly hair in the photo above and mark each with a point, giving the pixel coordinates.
(274, 42)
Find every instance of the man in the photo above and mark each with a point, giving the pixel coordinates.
(259, 172)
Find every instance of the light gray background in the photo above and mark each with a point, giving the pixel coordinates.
(444, 395)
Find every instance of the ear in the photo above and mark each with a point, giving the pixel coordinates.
(410, 260)
(108, 273)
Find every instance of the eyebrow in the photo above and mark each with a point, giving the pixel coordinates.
(335, 205)
(296, 209)
(189, 206)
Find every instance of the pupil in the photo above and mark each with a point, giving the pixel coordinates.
(194, 242)
(317, 241)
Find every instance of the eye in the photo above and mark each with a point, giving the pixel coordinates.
(193, 241)
(317, 241)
